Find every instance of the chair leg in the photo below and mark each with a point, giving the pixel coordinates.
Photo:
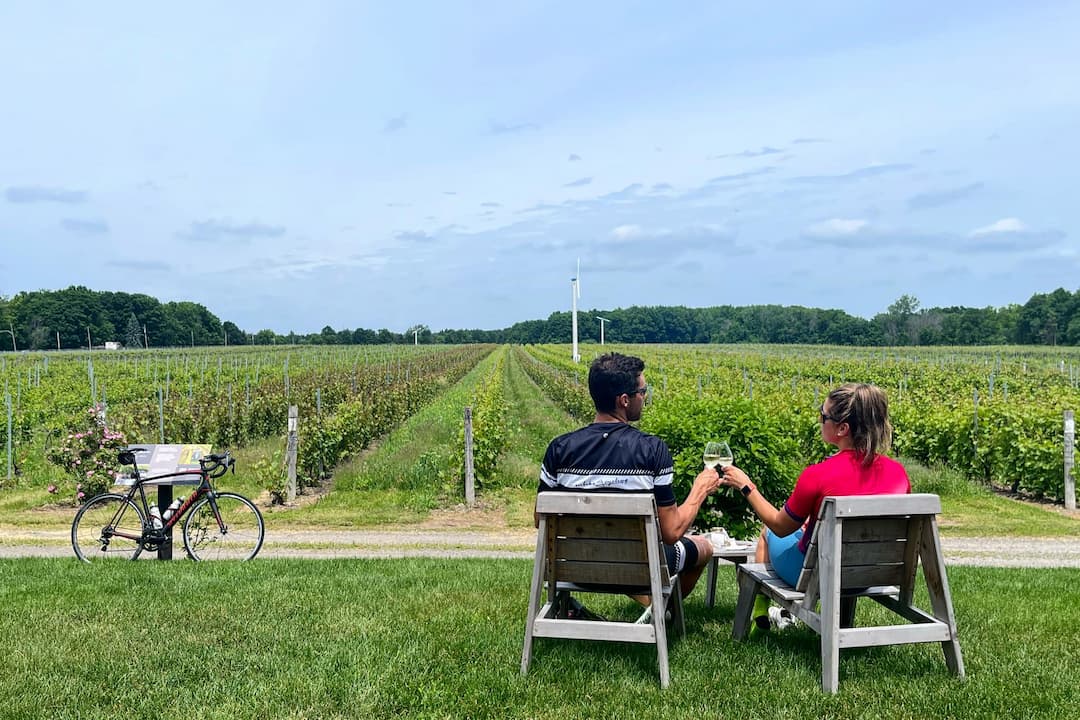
(847, 612)
(674, 605)
(829, 537)
(710, 583)
(535, 588)
(744, 607)
(937, 584)
(830, 653)
(660, 631)
(526, 649)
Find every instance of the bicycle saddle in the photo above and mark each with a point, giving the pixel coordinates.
(127, 457)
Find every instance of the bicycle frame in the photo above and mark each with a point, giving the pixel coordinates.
(214, 524)
(152, 536)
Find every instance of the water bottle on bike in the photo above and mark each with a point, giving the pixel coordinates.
(171, 510)
(155, 517)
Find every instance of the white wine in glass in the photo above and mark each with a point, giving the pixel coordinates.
(717, 453)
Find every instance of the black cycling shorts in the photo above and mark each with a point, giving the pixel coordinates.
(681, 555)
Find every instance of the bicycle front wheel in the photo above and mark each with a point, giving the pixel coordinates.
(107, 527)
(233, 532)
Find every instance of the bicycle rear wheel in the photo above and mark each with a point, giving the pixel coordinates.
(238, 536)
(107, 527)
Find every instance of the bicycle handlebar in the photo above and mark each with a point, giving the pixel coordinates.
(217, 465)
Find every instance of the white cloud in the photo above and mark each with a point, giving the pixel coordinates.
(1005, 225)
(836, 227)
(627, 232)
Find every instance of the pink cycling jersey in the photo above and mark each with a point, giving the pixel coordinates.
(842, 474)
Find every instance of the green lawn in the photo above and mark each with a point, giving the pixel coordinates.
(442, 639)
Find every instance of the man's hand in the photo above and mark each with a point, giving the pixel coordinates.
(707, 481)
(675, 521)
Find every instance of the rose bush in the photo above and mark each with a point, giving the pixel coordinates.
(89, 455)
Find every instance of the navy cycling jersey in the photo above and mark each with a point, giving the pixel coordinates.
(613, 457)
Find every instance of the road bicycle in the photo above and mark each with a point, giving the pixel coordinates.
(216, 525)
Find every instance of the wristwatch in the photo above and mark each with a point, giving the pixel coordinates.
(747, 489)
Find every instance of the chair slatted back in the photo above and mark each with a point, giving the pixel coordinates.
(587, 546)
(880, 537)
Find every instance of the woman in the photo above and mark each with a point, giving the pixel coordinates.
(855, 419)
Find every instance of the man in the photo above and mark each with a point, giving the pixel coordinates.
(613, 456)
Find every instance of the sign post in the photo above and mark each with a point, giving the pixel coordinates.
(162, 459)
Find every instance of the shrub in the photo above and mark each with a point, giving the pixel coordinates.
(88, 454)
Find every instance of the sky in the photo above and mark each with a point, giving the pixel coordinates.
(386, 164)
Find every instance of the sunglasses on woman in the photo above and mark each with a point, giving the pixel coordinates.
(826, 416)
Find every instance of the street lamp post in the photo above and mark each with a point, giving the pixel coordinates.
(602, 321)
(574, 293)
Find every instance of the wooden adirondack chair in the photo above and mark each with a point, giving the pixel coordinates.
(863, 546)
(606, 543)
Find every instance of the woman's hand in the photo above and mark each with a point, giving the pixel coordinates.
(734, 477)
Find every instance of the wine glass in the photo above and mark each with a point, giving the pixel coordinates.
(717, 453)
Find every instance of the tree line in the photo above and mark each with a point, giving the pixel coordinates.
(78, 317)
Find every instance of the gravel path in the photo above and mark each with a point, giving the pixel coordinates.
(400, 543)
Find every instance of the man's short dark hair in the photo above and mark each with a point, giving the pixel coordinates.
(612, 375)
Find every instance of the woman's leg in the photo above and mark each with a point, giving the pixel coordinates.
(785, 556)
(761, 554)
(760, 613)
(786, 559)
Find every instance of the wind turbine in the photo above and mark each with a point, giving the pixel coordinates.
(602, 321)
(575, 293)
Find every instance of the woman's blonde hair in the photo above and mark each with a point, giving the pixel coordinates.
(865, 409)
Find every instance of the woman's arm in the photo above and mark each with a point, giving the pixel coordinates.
(776, 520)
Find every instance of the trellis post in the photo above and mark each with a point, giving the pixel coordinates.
(290, 456)
(470, 478)
(1070, 482)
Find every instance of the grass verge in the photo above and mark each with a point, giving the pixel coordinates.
(972, 510)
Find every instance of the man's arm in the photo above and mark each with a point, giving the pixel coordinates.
(675, 520)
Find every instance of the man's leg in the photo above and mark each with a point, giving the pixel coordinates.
(689, 576)
(688, 558)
